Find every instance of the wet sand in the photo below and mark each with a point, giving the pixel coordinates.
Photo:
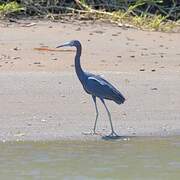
(42, 99)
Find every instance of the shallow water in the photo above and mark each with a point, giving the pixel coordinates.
(134, 158)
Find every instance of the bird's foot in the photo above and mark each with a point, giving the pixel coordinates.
(91, 133)
(97, 133)
(113, 134)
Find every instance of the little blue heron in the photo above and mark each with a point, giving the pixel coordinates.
(95, 85)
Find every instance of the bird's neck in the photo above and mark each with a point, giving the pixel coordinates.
(79, 71)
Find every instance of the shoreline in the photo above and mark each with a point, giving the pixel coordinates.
(33, 110)
(42, 99)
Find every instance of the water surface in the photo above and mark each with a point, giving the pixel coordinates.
(136, 158)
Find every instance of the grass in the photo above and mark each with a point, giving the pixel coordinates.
(141, 19)
(11, 7)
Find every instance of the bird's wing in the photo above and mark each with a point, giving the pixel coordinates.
(99, 87)
(98, 79)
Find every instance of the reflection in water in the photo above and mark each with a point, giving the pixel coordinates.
(132, 158)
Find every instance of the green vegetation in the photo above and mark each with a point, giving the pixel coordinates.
(11, 7)
(136, 17)
(160, 15)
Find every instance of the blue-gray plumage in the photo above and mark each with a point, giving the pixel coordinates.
(95, 85)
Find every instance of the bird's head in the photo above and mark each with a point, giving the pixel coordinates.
(75, 43)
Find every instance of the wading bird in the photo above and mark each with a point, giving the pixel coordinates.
(95, 85)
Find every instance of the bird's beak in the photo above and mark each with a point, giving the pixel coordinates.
(63, 45)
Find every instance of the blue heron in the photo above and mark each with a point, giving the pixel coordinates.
(95, 85)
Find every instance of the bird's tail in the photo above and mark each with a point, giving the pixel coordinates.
(120, 99)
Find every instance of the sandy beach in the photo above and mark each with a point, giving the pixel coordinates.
(42, 99)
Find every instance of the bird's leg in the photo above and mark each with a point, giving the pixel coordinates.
(97, 113)
(112, 129)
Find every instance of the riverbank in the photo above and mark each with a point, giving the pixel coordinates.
(41, 98)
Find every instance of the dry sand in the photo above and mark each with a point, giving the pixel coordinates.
(42, 99)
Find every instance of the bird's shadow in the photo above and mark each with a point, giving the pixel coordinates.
(115, 137)
(110, 137)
